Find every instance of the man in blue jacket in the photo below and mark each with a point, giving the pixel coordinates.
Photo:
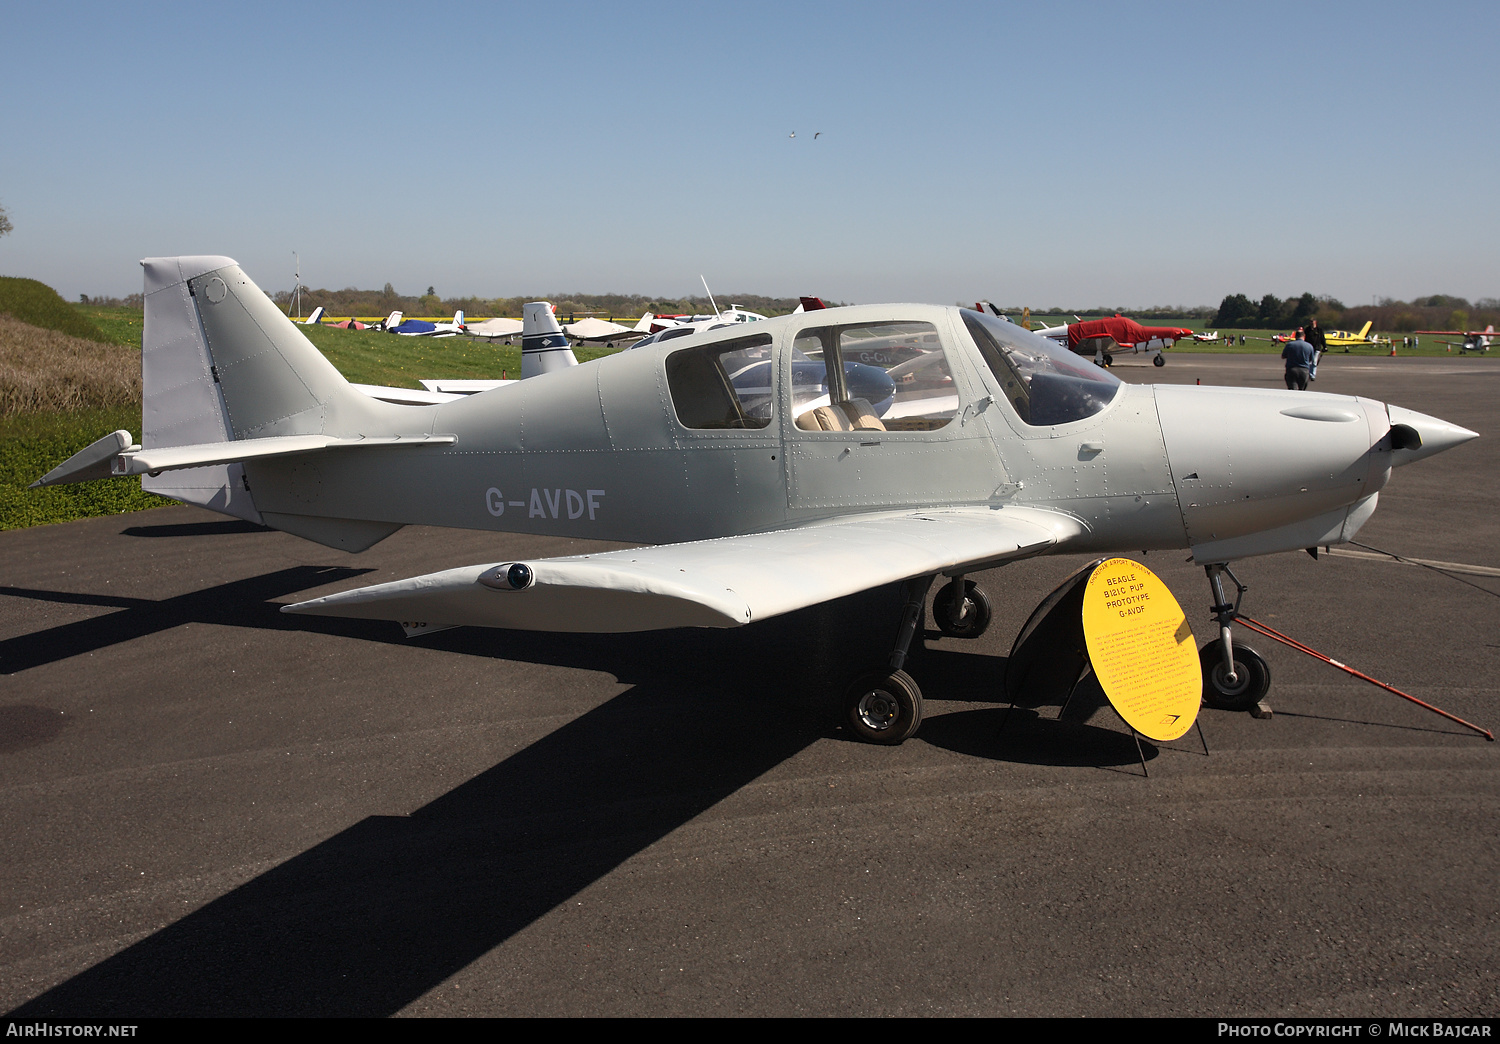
(1300, 357)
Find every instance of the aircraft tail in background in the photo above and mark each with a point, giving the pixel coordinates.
(544, 346)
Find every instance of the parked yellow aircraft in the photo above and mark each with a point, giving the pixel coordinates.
(1345, 339)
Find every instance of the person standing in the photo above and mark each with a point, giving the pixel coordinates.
(1299, 355)
(1319, 343)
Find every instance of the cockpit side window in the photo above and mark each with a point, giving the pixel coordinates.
(1045, 383)
(722, 385)
(886, 376)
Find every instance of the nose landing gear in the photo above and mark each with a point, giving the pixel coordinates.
(1235, 676)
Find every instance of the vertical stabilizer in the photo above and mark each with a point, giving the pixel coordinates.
(182, 403)
(544, 346)
(221, 363)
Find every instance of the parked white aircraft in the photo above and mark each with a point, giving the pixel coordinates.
(591, 328)
(496, 328)
(1473, 340)
(756, 508)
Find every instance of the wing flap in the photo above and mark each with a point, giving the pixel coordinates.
(712, 583)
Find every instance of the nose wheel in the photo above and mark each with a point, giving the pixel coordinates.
(1240, 690)
(1159, 360)
(962, 609)
(1235, 676)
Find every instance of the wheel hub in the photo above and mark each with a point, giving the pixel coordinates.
(878, 710)
(1223, 682)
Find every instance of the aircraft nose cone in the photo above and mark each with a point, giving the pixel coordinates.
(1416, 435)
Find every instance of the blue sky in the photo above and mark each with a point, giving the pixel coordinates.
(1060, 154)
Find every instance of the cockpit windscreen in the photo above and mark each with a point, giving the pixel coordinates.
(1046, 383)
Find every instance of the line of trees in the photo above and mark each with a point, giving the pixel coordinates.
(1150, 316)
(137, 301)
(1238, 312)
(1436, 311)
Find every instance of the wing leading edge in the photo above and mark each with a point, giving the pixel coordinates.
(711, 583)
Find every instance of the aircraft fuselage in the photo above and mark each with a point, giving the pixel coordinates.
(602, 451)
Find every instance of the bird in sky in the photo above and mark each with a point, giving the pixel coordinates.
(792, 135)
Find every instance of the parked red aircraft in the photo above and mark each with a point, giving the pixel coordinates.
(1102, 337)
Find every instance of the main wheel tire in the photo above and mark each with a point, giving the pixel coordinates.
(976, 618)
(884, 707)
(1252, 681)
(1109, 360)
(1158, 361)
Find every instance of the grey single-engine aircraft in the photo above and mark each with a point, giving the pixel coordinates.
(756, 505)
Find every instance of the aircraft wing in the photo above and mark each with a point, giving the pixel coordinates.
(497, 328)
(593, 329)
(709, 583)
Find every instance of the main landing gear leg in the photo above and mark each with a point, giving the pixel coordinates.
(1235, 676)
(886, 706)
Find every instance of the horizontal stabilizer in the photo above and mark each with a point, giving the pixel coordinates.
(710, 583)
(139, 460)
(460, 387)
(405, 396)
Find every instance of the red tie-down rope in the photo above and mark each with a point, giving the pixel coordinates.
(1271, 632)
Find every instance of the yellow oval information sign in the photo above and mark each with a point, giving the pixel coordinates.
(1141, 649)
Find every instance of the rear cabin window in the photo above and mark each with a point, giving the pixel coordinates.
(895, 377)
(722, 385)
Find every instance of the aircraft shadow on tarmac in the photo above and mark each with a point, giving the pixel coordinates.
(238, 603)
(185, 529)
(384, 911)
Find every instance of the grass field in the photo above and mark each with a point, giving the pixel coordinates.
(1258, 342)
(115, 325)
(48, 371)
(366, 357)
(39, 305)
(31, 444)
